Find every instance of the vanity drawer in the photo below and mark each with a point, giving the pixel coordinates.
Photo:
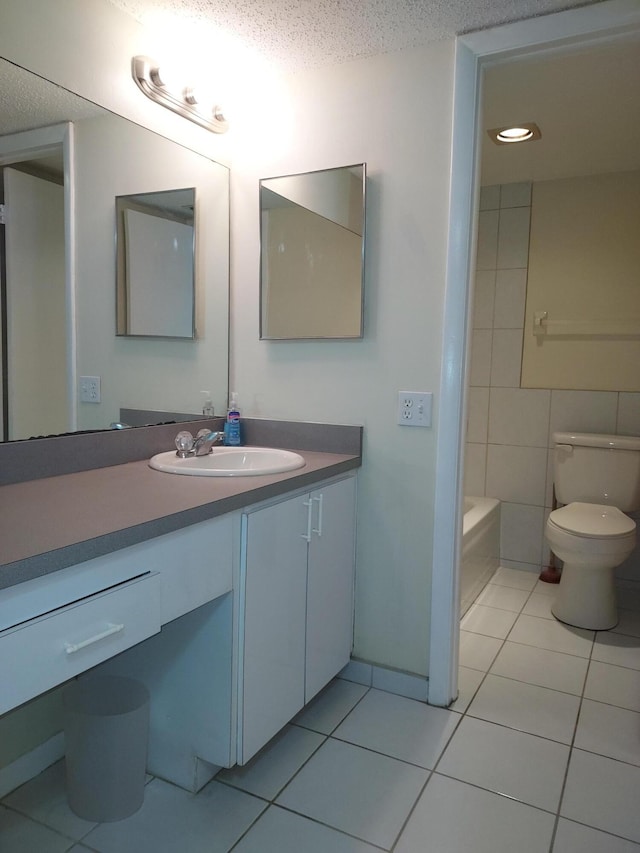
(51, 649)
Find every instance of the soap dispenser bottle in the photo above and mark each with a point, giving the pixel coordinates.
(207, 404)
(232, 437)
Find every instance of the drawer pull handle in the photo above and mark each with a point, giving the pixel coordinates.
(70, 648)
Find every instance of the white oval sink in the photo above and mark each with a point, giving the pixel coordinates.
(230, 462)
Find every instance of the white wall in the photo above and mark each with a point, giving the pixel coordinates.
(394, 113)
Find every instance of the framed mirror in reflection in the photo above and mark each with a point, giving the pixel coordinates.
(312, 234)
(155, 269)
(71, 334)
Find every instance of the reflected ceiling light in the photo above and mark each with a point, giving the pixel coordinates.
(515, 133)
(157, 83)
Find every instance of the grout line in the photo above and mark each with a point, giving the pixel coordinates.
(328, 826)
(571, 748)
(504, 796)
(395, 757)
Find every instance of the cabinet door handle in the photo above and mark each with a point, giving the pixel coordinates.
(71, 648)
(318, 529)
(307, 536)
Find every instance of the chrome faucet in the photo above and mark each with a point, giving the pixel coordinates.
(203, 443)
(205, 440)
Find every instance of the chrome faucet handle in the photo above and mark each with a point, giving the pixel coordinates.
(184, 444)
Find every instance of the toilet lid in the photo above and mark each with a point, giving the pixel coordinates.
(595, 520)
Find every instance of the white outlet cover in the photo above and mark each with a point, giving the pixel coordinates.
(415, 408)
(90, 389)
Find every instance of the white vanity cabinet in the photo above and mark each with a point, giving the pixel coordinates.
(295, 606)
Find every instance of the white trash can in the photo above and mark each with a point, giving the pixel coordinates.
(106, 735)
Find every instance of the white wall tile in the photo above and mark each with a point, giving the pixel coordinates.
(490, 197)
(483, 299)
(477, 414)
(519, 416)
(480, 367)
(510, 298)
(475, 466)
(548, 500)
(517, 474)
(583, 411)
(487, 240)
(628, 414)
(515, 195)
(506, 358)
(513, 238)
(521, 530)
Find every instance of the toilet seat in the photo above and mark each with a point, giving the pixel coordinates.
(592, 521)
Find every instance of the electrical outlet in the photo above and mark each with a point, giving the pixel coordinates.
(89, 389)
(414, 408)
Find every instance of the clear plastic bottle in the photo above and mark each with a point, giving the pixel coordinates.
(207, 404)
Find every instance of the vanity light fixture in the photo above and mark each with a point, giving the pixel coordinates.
(516, 133)
(184, 101)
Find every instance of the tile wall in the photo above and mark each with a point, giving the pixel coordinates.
(509, 428)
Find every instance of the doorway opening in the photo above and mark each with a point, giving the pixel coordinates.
(576, 29)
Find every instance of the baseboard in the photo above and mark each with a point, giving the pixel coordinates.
(387, 679)
(31, 764)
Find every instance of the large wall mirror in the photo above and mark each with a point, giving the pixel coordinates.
(312, 255)
(58, 303)
(155, 269)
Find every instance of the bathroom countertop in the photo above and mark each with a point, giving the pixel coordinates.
(55, 522)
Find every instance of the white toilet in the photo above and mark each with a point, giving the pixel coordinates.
(597, 478)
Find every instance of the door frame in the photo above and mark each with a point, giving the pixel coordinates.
(602, 22)
(29, 145)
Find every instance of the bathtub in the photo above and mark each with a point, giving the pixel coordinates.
(480, 547)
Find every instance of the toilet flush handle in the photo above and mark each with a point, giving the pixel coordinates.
(565, 449)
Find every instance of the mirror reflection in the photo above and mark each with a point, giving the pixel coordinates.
(77, 338)
(155, 285)
(312, 254)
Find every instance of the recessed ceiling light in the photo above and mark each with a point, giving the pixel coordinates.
(515, 133)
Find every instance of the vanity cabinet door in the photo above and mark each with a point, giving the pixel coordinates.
(295, 608)
(272, 622)
(329, 636)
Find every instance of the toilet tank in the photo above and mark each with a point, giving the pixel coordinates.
(594, 468)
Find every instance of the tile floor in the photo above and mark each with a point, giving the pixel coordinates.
(541, 752)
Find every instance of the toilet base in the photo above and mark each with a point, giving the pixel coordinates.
(586, 598)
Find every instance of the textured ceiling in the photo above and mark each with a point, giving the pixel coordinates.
(27, 101)
(313, 33)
